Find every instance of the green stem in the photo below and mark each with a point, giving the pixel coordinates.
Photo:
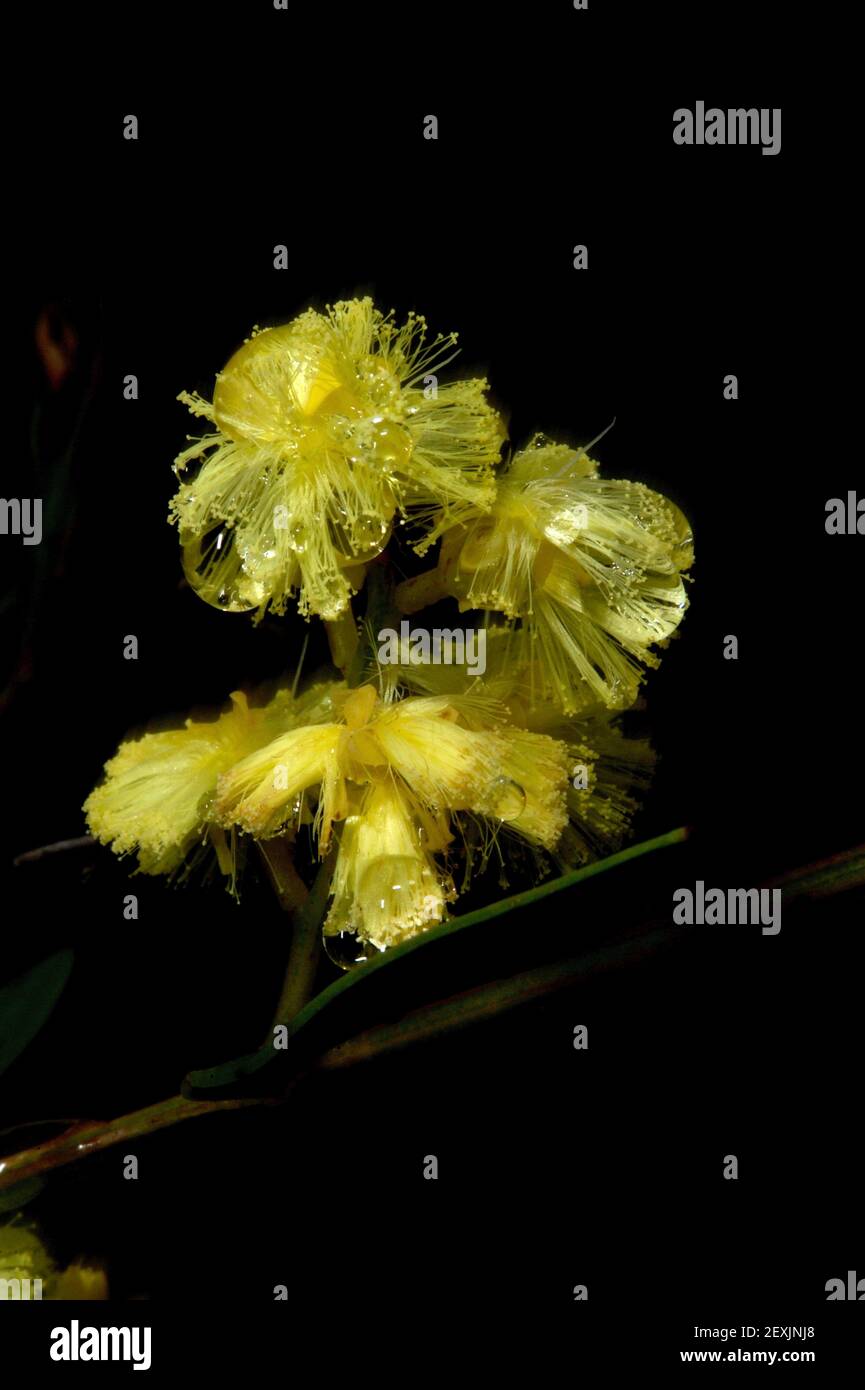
(381, 611)
(342, 639)
(305, 950)
(95, 1135)
(421, 591)
(277, 855)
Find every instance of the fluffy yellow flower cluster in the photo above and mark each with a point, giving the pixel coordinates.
(588, 571)
(398, 775)
(327, 432)
(327, 428)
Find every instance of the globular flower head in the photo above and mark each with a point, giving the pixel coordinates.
(399, 774)
(387, 884)
(610, 771)
(610, 765)
(24, 1257)
(157, 792)
(325, 431)
(588, 570)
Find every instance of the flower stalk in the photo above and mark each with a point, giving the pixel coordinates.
(305, 950)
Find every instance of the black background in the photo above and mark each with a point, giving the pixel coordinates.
(556, 1167)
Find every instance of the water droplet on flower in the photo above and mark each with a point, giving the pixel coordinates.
(486, 544)
(507, 799)
(361, 539)
(683, 550)
(385, 444)
(215, 571)
(297, 537)
(346, 949)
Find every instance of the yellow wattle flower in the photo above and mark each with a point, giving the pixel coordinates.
(28, 1271)
(610, 773)
(387, 885)
(592, 569)
(327, 429)
(398, 773)
(157, 791)
(22, 1254)
(609, 769)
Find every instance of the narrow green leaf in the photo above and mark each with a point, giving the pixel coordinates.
(14, 1198)
(837, 874)
(26, 1004)
(230, 1078)
(489, 1001)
